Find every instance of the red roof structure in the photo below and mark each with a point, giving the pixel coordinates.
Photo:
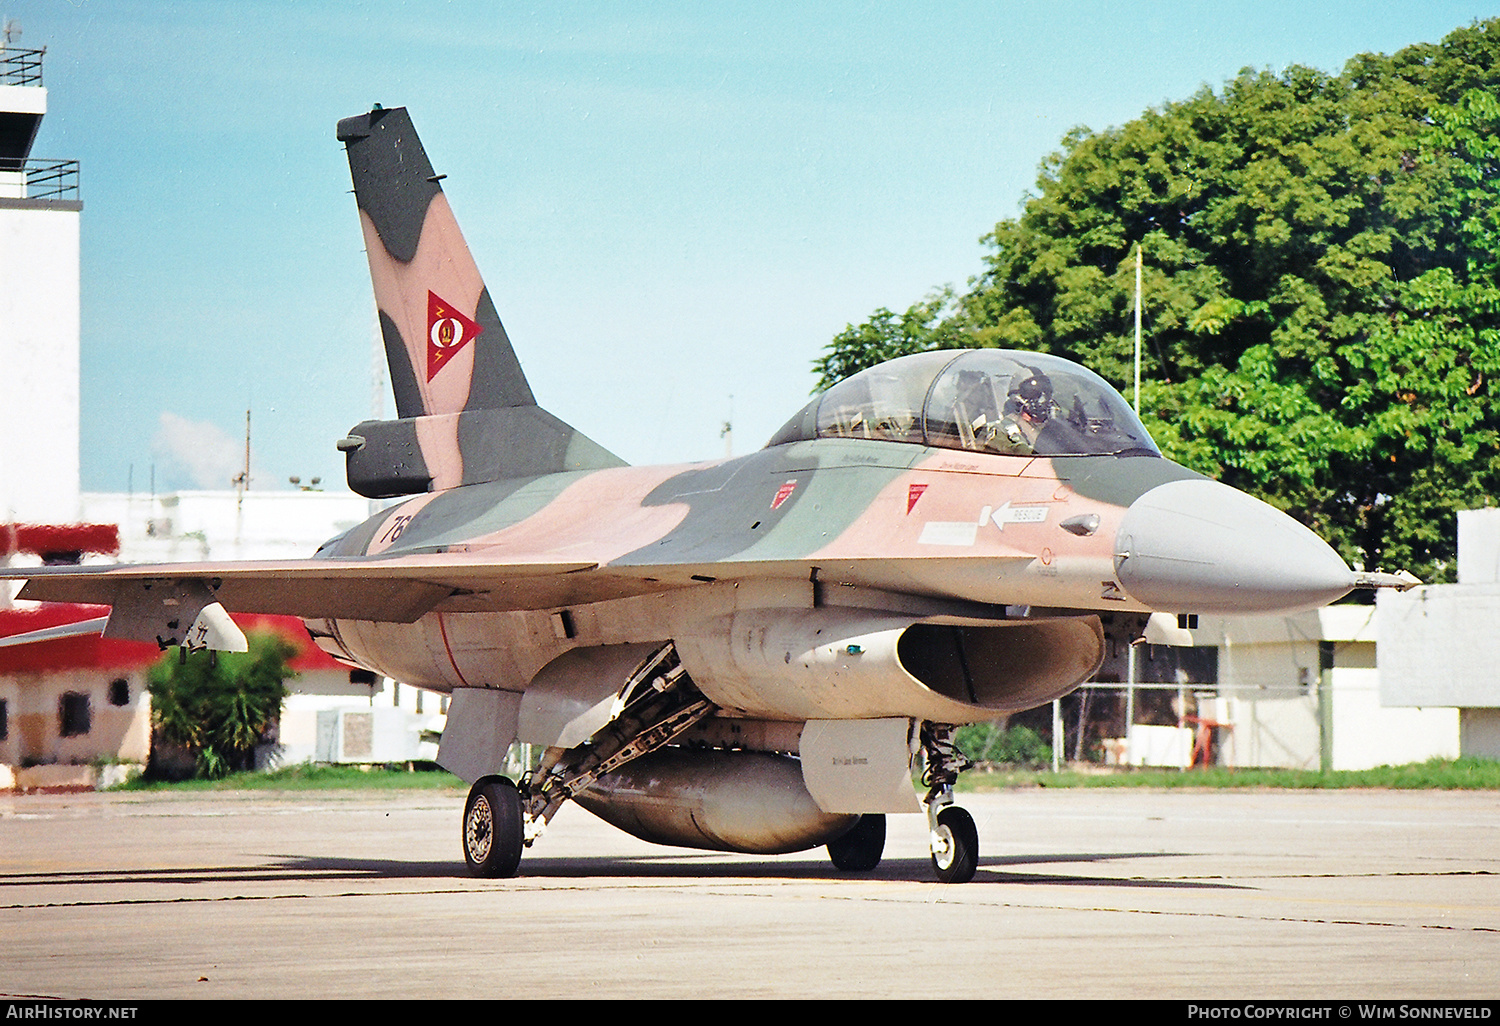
(90, 651)
(48, 539)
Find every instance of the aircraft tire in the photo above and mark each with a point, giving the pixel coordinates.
(860, 849)
(493, 829)
(955, 852)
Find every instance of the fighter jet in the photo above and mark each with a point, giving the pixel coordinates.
(751, 654)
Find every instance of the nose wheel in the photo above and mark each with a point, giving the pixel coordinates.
(955, 845)
(953, 838)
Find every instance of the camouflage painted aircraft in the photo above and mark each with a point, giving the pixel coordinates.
(743, 655)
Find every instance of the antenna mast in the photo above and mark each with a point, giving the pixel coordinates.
(241, 481)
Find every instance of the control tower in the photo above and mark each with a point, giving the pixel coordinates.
(39, 211)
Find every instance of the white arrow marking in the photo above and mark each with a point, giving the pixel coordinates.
(1008, 514)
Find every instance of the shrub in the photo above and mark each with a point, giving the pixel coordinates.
(989, 742)
(218, 709)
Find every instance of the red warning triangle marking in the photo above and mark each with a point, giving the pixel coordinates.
(783, 493)
(448, 331)
(913, 493)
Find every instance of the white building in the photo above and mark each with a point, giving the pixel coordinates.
(39, 212)
(1440, 644)
(197, 525)
(82, 700)
(1304, 691)
(1291, 692)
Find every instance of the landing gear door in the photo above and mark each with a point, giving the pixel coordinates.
(859, 765)
(574, 695)
(481, 726)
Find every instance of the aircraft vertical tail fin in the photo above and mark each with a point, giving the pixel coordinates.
(447, 348)
(466, 411)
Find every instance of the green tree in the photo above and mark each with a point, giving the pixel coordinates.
(219, 708)
(887, 335)
(1321, 288)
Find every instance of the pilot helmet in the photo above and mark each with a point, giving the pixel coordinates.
(1035, 391)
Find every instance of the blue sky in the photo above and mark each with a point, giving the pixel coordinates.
(672, 203)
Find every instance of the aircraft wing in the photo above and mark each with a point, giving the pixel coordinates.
(164, 601)
(398, 590)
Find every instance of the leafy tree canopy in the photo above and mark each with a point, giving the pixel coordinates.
(1322, 310)
(219, 708)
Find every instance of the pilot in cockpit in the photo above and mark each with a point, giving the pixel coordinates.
(1028, 408)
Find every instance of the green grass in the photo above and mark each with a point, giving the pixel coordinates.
(308, 777)
(1435, 774)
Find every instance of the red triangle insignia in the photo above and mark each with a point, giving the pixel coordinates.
(448, 331)
(913, 493)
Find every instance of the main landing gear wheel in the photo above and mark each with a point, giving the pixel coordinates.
(493, 828)
(955, 846)
(860, 849)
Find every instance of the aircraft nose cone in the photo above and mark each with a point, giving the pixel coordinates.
(1200, 546)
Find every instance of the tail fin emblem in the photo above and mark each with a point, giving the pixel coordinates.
(448, 331)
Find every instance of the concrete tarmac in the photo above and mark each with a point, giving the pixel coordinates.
(1079, 894)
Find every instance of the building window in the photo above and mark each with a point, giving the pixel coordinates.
(73, 713)
(4, 720)
(119, 691)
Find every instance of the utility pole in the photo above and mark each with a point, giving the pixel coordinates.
(1325, 706)
(1130, 656)
(1138, 247)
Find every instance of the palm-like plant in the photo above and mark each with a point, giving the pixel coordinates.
(220, 708)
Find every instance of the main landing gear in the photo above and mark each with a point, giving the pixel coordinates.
(501, 817)
(953, 837)
(860, 849)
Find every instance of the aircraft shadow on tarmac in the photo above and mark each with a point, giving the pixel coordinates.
(264, 873)
(682, 865)
(706, 866)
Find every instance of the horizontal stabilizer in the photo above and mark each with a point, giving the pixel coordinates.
(387, 458)
(81, 629)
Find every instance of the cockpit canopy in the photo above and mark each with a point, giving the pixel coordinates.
(984, 400)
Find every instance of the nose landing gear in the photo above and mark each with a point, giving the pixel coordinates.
(955, 844)
(953, 837)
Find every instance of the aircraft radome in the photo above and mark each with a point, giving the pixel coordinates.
(741, 655)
